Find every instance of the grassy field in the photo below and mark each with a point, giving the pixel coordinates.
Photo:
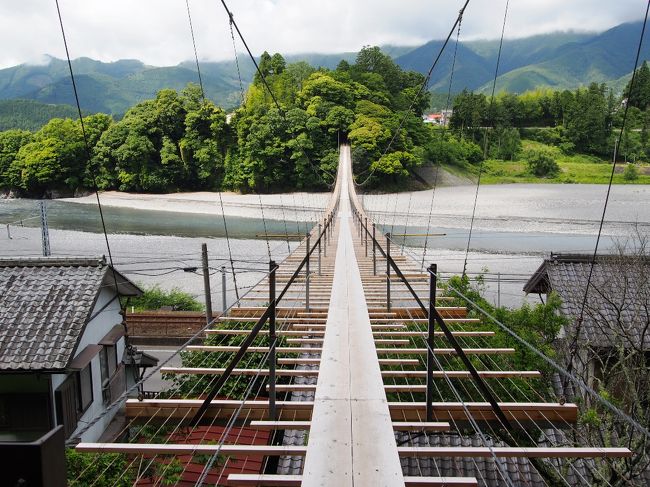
(577, 168)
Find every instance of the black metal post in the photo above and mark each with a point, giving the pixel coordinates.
(433, 271)
(388, 271)
(224, 298)
(326, 235)
(206, 283)
(320, 250)
(307, 274)
(272, 338)
(365, 229)
(374, 250)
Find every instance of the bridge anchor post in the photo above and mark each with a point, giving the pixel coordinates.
(320, 239)
(374, 250)
(365, 229)
(307, 273)
(433, 272)
(272, 339)
(388, 271)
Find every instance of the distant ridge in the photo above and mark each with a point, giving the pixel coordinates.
(562, 60)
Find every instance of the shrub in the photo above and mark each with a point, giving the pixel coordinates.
(542, 164)
(155, 298)
(631, 173)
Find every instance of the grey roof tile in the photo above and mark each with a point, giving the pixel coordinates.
(618, 300)
(44, 306)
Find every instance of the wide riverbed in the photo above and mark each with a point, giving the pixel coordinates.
(154, 237)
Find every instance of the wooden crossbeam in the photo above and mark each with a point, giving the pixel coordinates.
(270, 480)
(316, 361)
(446, 351)
(512, 452)
(397, 425)
(378, 341)
(191, 449)
(312, 330)
(457, 374)
(319, 326)
(219, 371)
(437, 374)
(544, 414)
(403, 451)
(288, 333)
(234, 349)
(423, 320)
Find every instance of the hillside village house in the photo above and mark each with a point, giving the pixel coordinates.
(62, 346)
(616, 321)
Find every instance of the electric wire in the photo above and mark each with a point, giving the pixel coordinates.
(87, 151)
(490, 122)
(273, 97)
(422, 87)
(573, 349)
(196, 56)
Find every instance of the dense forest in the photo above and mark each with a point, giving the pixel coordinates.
(288, 139)
(182, 141)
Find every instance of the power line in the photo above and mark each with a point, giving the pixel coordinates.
(423, 86)
(485, 147)
(196, 56)
(574, 343)
(87, 148)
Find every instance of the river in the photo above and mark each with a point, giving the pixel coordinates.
(514, 227)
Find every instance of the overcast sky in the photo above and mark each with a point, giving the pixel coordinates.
(157, 31)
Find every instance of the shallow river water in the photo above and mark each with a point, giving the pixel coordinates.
(514, 227)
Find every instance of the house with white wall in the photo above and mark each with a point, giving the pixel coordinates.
(62, 346)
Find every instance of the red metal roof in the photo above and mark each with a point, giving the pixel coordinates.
(225, 465)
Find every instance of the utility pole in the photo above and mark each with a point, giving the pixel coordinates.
(45, 233)
(206, 283)
(224, 300)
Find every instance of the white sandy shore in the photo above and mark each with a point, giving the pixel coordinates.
(276, 206)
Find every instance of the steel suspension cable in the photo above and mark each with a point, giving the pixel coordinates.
(196, 56)
(579, 320)
(88, 156)
(274, 98)
(485, 147)
(422, 87)
(266, 234)
(439, 168)
(241, 84)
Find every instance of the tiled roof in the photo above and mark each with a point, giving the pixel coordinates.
(618, 300)
(44, 307)
(519, 471)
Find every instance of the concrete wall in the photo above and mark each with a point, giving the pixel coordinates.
(94, 332)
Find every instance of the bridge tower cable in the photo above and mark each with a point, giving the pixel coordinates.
(573, 348)
(196, 56)
(275, 100)
(435, 178)
(87, 154)
(423, 87)
(485, 140)
(223, 214)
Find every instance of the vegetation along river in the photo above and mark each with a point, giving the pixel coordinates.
(514, 227)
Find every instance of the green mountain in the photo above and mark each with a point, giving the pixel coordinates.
(471, 69)
(602, 58)
(557, 60)
(106, 87)
(30, 114)
(560, 60)
(114, 87)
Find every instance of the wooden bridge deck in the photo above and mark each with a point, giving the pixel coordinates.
(356, 348)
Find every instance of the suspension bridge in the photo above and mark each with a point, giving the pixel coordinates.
(350, 364)
(365, 373)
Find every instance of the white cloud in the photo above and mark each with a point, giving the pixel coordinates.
(157, 31)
